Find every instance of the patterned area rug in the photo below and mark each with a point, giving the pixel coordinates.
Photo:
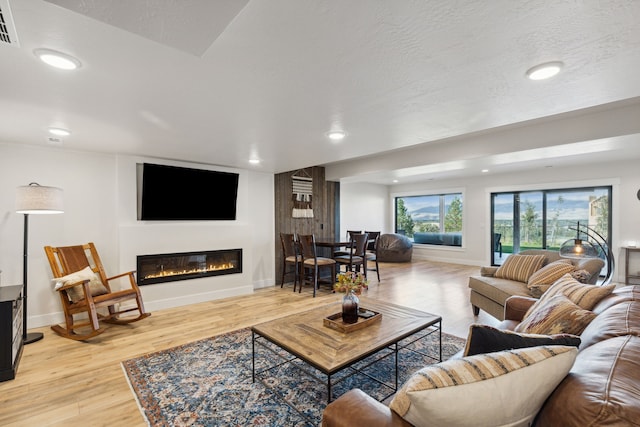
(208, 382)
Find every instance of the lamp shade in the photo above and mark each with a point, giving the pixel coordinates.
(578, 248)
(37, 199)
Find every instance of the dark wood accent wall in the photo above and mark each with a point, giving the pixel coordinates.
(325, 204)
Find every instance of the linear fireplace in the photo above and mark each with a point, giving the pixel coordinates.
(158, 268)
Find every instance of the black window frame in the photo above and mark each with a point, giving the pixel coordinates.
(441, 237)
(544, 219)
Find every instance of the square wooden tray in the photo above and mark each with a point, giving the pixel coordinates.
(335, 322)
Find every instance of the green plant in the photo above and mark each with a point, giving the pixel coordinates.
(403, 218)
(453, 218)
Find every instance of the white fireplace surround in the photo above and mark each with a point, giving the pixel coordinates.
(248, 232)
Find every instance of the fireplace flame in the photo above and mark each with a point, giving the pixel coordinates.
(211, 267)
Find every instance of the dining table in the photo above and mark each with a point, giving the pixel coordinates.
(330, 245)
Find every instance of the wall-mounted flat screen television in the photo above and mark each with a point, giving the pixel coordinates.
(170, 193)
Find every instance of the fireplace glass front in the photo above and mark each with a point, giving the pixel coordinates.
(158, 268)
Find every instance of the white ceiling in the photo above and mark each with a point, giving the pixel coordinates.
(220, 82)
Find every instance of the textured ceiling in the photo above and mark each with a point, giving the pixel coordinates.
(188, 25)
(221, 82)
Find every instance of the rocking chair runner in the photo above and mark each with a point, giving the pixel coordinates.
(71, 259)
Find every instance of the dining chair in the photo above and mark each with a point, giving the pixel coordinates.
(372, 250)
(290, 257)
(347, 251)
(357, 257)
(314, 263)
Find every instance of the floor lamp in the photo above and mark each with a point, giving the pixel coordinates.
(34, 199)
(578, 248)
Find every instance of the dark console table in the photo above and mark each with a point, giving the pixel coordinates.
(10, 330)
(629, 277)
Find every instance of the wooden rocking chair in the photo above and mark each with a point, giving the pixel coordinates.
(87, 295)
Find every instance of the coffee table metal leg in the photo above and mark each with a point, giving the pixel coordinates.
(253, 357)
(396, 349)
(440, 329)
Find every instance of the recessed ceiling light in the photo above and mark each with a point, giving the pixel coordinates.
(57, 59)
(544, 71)
(395, 180)
(59, 132)
(336, 135)
(254, 161)
(485, 170)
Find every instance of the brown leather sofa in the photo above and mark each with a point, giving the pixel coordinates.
(602, 388)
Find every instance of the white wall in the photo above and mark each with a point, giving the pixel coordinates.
(100, 206)
(623, 177)
(364, 207)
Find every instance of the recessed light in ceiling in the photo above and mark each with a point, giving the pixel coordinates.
(544, 71)
(57, 59)
(59, 132)
(394, 181)
(336, 135)
(485, 170)
(254, 161)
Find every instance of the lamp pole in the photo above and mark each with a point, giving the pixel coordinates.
(27, 338)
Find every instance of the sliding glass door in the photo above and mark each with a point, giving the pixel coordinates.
(504, 220)
(540, 219)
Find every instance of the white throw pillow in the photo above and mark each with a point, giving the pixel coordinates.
(76, 294)
(505, 388)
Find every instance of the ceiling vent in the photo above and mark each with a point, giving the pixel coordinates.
(8, 33)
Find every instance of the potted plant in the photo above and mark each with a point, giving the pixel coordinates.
(351, 285)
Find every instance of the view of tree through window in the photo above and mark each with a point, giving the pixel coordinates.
(541, 219)
(430, 219)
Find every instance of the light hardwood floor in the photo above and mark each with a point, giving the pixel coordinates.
(61, 382)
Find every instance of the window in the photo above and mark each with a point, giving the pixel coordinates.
(434, 219)
(541, 219)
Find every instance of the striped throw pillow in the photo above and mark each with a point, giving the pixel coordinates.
(471, 391)
(541, 280)
(520, 267)
(584, 295)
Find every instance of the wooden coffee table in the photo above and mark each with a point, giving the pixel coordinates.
(305, 337)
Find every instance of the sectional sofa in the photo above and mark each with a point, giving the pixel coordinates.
(602, 387)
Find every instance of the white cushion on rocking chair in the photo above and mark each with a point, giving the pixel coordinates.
(76, 294)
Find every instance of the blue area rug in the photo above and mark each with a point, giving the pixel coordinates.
(208, 382)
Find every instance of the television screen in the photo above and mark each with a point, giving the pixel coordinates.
(176, 193)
